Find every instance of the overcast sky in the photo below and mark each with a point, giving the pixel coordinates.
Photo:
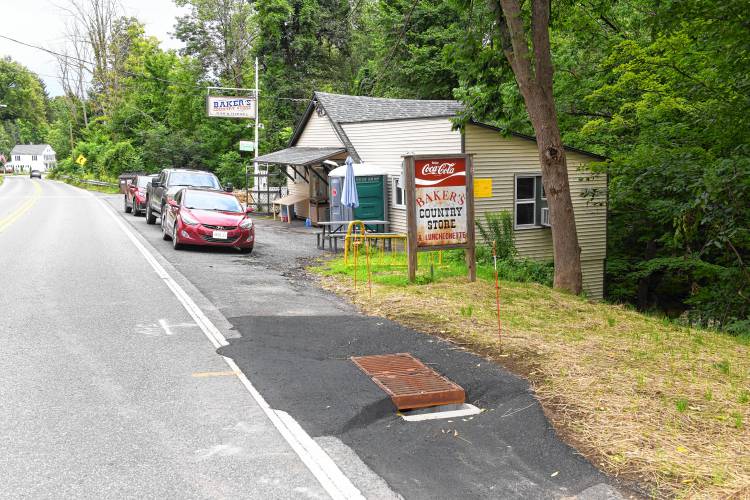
(42, 22)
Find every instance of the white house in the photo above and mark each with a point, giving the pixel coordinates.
(379, 131)
(27, 157)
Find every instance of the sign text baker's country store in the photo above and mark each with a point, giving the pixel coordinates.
(439, 206)
(230, 107)
(440, 197)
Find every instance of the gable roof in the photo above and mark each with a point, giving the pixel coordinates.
(28, 149)
(341, 109)
(356, 109)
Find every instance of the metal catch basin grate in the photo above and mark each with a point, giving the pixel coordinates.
(409, 382)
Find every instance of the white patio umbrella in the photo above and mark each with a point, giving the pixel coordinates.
(349, 196)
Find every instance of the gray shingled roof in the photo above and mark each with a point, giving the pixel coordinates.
(352, 109)
(299, 155)
(28, 149)
(342, 109)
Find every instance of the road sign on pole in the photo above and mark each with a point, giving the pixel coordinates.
(81, 160)
(247, 146)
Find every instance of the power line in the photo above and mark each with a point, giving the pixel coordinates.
(129, 73)
(389, 60)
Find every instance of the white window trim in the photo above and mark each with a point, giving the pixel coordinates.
(394, 185)
(530, 201)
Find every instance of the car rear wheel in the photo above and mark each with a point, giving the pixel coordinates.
(150, 217)
(136, 211)
(125, 204)
(175, 239)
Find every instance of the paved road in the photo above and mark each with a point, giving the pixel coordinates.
(110, 389)
(294, 340)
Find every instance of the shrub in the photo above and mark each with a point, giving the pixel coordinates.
(118, 158)
(498, 228)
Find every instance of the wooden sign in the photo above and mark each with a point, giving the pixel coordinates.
(230, 107)
(440, 206)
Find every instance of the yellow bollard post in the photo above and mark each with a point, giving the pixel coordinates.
(367, 259)
(356, 251)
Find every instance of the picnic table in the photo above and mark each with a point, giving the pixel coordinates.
(335, 230)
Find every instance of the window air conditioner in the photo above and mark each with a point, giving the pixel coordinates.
(545, 217)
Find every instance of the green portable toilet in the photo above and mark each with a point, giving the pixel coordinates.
(372, 188)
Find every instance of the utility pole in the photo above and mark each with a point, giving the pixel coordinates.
(256, 178)
(256, 170)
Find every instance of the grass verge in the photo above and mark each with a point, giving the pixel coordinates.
(641, 397)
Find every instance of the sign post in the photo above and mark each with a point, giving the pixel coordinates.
(239, 106)
(439, 206)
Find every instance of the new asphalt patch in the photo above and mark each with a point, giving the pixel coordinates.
(301, 365)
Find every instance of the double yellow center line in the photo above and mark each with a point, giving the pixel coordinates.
(9, 219)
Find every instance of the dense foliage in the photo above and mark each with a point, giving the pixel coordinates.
(25, 116)
(659, 87)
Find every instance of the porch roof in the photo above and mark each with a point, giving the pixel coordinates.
(297, 155)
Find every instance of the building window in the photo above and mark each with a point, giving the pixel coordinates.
(33, 157)
(17, 158)
(398, 194)
(530, 200)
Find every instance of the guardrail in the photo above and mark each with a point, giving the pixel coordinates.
(91, 182)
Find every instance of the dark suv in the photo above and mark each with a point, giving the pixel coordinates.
(168, 183)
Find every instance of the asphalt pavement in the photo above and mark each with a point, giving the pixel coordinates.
(294, 340)
(110, 389)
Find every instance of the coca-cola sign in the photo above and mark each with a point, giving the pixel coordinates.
(438, 190)
(442, 169)
(440, 198)
(440, 172)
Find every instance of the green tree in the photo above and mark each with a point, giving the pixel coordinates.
(24, 119)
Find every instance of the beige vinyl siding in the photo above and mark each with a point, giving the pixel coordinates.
(593, 278)
(301, 210)
(318, 133)
(383, 143)
(502, 158)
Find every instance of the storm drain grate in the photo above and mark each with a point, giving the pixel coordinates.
(408, 382)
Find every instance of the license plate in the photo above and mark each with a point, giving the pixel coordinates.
(220, 235)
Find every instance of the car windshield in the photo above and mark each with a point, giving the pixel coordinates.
(211, 201)
(143, 181)
(197, 179)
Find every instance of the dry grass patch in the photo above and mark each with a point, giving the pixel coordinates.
(642, 398)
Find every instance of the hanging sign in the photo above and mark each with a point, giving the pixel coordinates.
(247, 145)
(440, 206)
(230, 107)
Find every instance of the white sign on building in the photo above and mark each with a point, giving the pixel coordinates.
(230, 107)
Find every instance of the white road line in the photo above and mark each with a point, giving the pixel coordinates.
(312, 455)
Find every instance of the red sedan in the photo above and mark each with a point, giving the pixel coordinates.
(208, 218)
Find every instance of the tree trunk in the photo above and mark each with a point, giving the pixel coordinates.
(566, 251)
(533, 71)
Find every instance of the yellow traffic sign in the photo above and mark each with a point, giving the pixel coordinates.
(81, 160)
